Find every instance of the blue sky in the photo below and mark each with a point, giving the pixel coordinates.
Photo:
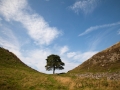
(73, 29)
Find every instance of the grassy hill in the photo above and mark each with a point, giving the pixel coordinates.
(105, 61)
(15, 75)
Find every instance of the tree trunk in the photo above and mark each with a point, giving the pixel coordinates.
(53, 70)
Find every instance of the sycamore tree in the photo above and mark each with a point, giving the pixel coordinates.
(54, 62)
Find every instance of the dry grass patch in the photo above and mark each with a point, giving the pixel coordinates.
(96, 84)
(66, 81)
(63, 80)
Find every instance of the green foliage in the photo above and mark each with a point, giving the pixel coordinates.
(54, 62)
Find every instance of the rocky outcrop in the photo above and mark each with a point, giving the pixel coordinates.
(107, 76)
(109, 55)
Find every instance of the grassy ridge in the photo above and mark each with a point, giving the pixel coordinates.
(105, 61)
(15, 75)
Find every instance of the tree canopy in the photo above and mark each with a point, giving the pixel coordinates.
(54, 62)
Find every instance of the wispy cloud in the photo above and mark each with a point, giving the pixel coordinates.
(37, 27)
(35, 58)
(87, 6)
(9, 41)
(32, 58)
(40, 31)
(81, 56)
(36, 61)
(98, 27)
(64, 50)
(71, 54)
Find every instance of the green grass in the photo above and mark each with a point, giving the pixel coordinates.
(15, 75)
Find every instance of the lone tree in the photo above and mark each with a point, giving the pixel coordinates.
(54, 62)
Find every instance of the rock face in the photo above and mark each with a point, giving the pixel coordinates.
(105, 61)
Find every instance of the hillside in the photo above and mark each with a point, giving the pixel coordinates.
(15, 75)
(105, 61)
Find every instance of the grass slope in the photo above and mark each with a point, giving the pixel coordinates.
(15, 75)
(105, 61)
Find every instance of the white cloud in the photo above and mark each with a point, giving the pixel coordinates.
(81, 57)
(37, 27)
(40, 31)
(9, 41)
(93, 43)
(8, 45)
(85, 56)
(64, 50)
(98, 27)
(34, 58)
(69, 65)
(37, 59)
(87, 6)
(71, 54)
